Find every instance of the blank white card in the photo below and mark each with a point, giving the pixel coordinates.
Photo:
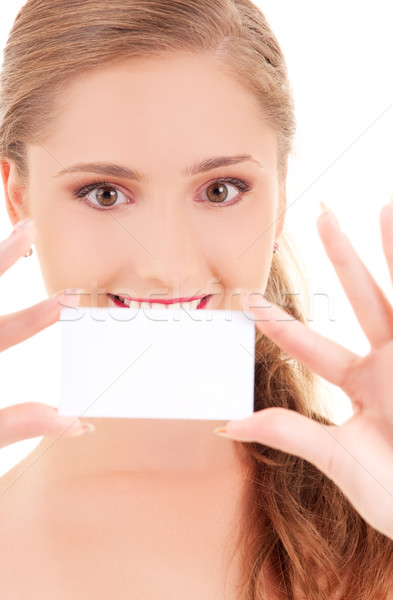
(157, 363)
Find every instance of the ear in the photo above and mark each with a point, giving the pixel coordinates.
(282, 202)
(14, 191)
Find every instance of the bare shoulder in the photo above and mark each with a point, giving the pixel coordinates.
(7, 511)
(14, 485)
(9, 480)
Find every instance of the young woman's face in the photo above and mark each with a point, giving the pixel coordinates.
(156, 217)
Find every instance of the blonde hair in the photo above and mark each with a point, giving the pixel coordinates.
(297, 523)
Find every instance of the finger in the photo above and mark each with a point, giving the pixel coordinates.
(16, 244)
(290, 432)
(386, 222)
(372, 309)
(33, 419)
(323, 356)
(329, 449)
(19, 326)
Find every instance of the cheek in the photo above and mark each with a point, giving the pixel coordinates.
(75, 250)
(246, 239)
(255, 255)
(239, 246)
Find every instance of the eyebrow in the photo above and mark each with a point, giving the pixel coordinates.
(108, 168)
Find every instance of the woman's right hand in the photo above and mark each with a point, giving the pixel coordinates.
(30, 419)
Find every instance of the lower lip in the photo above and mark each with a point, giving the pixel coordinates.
(120, 304)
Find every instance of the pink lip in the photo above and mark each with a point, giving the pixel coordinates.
(171, 301)
(202, 304)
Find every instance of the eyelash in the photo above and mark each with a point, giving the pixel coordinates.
(81, 193)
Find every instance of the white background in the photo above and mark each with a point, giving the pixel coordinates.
(339, 57)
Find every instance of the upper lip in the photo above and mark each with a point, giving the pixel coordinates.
(162, 301)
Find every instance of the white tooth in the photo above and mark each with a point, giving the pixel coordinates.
(155, 305)
(145, 305)
(186, 305)
(126, 302)
(169, 306)
(190, 305)
(133, 304)
(194, 304)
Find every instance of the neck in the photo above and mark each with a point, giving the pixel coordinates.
(149, 447)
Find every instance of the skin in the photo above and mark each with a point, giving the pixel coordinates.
(81, 248)
(164, 116)
(358, 455)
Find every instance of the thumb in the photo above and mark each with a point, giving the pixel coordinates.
(34, 419)
(290, 432)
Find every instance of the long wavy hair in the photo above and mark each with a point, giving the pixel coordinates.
(297, 523)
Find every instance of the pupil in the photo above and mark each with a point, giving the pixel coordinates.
(107, 197)
(219, 193)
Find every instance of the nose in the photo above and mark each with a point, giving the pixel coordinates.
(175, 255)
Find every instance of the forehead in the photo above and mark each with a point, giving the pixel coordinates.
(166, 106)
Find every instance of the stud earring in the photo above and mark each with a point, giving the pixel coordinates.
(276, 247)
(29, 253)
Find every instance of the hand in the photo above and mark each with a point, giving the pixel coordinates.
(30, 419)
(358, 455)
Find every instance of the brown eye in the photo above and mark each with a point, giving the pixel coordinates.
(102, 195)
(106, 196)
(217, 192)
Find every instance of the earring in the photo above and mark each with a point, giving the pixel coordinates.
(29, 253)
(276, 247)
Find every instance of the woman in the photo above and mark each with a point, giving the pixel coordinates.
(148, 141)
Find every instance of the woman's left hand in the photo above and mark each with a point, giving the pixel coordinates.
(357, 455)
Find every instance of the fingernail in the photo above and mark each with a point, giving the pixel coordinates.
(222, 432)
(84, 428)
(326, 209)
(240, 427)
(22, 225)
(70, 298)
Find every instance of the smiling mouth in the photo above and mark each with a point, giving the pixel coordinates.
(193, 304)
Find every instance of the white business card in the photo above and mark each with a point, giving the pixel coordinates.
(157, 363)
